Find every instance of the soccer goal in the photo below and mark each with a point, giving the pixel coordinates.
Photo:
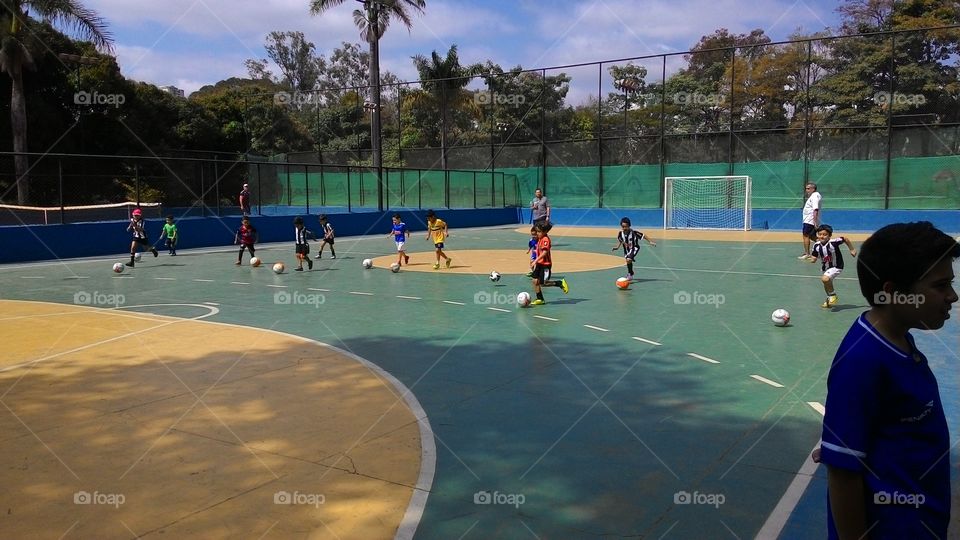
(707, 202)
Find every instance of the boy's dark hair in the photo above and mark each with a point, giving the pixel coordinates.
(625, 220)
(397, 216)
(322, 217)
(545, 227)
(170, 216)
(298, 220)
(430, 214)
(902, 253)
(827, 228)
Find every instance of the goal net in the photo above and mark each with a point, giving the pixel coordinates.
(707, 202)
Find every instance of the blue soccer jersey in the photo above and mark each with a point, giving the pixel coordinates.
(399, 232)
(884, 419)
(532, 245)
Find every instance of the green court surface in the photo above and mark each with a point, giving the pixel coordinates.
(672, 409)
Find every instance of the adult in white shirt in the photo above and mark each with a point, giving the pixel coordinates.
(540, 208)
(811, 218)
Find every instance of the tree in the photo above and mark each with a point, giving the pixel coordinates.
(300, 67)
(443, 81)
(18, 49)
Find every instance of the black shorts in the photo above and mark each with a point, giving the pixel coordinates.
(809, 231)
(328, 240)
(438, 245)
(541, 273)
(141, 241)
(632, 254)
(303, 249)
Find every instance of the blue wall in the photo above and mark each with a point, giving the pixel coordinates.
(44, 242)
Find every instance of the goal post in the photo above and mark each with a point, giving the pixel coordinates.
(707, 202)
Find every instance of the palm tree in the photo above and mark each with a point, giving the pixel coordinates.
(443, 81)
(17, 46)
(373, 22)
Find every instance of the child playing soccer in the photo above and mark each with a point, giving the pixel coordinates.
(885, 440)
(630, 240)
(246, 236)
(327, 230)
(170, 232)
(303, 245)
(542, 265)
(139, 236)
(532, 248)
(399, 233)
(438, 228)
(828, 251)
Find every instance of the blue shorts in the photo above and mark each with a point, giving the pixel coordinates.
(439, 245)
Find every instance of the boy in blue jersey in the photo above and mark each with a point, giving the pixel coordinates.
(399, 231)
(532, 247)
(885, 440)
(827, 250)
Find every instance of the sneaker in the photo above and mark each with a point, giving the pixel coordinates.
(832, 300)
(319, 256)
(130, 264)
(449, 260)
(628, 276)
(237, 263)
(406, 259)
(309, 264)
(333, 256)
(155, 252)
(804, 257)
(174, 254)
(537, 302)
(436, 266)
(298, 269)
(529, 274)
(825, 304)
(564, 286)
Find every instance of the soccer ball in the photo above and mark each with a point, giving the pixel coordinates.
(395, 267)
(523, 299)
(254, 262)
(494, 276)
(118, 268)
(367, 263)
(780, 317)
(279, 268)
(137, 257)
(623, 283)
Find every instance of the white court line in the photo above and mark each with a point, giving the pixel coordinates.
(211, 304)
(204, 280)
(768, 274)
(597, 328)
(32, 277)
(78, 277)
(277, 286)
(781, 513)
(165, 278)
(409, 297)
(546, 318)
(704, 358)
(362, 293)
(239, 283)
(321, 290)
(454, 303)
(651, 342)
(498, 309)
(765, 380)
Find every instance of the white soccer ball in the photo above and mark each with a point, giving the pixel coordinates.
(367, 263)
(254, 261)
(523, 299)
(279, 268)
(395, 267)
(494, 276)
(118, 268)
(780, 317)
(137, 256)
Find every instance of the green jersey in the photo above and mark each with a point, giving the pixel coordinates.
(170, 230)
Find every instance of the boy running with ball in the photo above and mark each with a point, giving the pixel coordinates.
(139, 236)
(828, 251)
(399, 231)
(630, 239)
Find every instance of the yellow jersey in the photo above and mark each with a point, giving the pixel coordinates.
(437, 228)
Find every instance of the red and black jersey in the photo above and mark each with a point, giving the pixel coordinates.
(247, 235)
(543, 247)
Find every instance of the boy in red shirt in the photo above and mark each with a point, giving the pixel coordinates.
(542, 265)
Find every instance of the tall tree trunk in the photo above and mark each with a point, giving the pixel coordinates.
(18, 123)
(375, 132)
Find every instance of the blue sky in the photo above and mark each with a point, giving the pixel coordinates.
(191, 43)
